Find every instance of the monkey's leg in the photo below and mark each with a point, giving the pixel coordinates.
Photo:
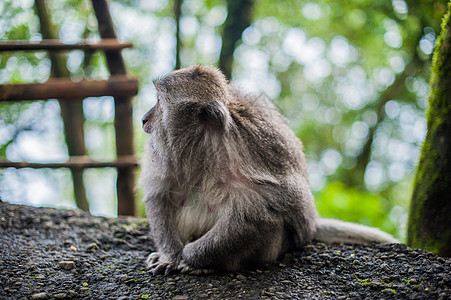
(160, 213)
(233, 241)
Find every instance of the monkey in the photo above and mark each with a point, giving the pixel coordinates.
(225, 180)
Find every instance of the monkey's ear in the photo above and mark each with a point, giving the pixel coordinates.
(213, 115)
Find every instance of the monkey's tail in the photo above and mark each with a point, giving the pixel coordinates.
(335, 231)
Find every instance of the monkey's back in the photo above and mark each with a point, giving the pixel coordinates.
(262, 132)
(278, 164)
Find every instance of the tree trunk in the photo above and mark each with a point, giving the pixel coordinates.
(71, 111)
(178, 41)
(357, 174)
(238, 18)
(430, 212)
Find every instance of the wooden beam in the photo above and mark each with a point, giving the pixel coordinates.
(104, 44)
(65, 88)
(75, 162)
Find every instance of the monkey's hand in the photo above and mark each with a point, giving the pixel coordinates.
(161, 264)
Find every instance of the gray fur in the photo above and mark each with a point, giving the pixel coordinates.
(225, 180)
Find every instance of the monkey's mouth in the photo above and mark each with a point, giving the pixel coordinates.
(145, 121)
(149, 117)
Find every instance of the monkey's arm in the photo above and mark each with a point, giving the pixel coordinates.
(160, 214)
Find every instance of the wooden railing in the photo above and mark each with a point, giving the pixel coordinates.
(119, 85)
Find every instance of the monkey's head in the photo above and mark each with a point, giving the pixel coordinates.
(192, 98)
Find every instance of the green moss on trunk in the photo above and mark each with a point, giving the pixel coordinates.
(430, 212)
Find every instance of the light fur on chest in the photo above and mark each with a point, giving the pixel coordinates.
(194, 217)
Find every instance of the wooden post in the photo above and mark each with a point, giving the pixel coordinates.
(123, 113)
(71, 112)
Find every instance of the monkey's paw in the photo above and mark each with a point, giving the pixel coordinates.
(160, 264)
(184, 268)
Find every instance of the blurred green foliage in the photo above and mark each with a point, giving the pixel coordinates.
(351, 78)
(338, 201)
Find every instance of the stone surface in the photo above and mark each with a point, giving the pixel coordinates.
(34, 242)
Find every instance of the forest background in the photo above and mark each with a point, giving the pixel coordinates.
(351, 78)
